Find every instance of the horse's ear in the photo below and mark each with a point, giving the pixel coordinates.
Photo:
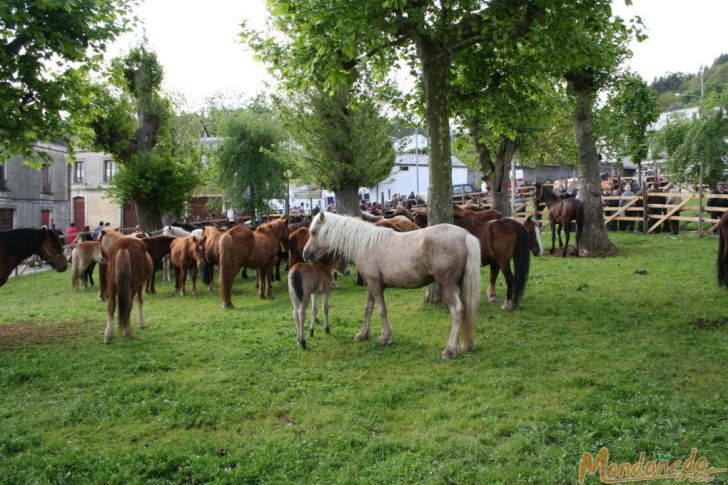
(321, 217)
(528, 219)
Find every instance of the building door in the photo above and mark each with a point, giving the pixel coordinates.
(128, 217)
(45, 218)
(79, 212)
(6, 219)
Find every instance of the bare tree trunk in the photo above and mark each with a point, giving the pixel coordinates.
(347, 201)
(436, 61)
(594, 234)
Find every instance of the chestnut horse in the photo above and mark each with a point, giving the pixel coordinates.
(129, 267)
(17, 245)
(561, 213)
(296, 242)
(242, 248)
(723, 250)
(209, 249)
(184, 256)
(444, 253)
(83, 261)
(107, 238)
(305, 282)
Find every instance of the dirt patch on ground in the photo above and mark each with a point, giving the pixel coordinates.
(707, 323)
(16, 335)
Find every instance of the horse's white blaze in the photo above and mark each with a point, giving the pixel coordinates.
(538, 238)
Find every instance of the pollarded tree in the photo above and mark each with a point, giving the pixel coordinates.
(157, 154)
(345, 142)
(48, 49)
(252, 159)
(588, 44)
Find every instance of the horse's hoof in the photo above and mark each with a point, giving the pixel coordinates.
(447, 353)
(360, 337)
(468, 345)
(310, 333)
(228, 306)
(385, 340)
(327, 329)
(551, 251)
(302, 343)
(492, 299)
(107, 341)
(508, 305)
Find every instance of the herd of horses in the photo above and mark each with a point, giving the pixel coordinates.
(396, 252)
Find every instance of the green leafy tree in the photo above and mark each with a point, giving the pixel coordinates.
(687, 143)
(345, 142)
(156, 150)
(588, 44)
(252, 159)
(625, 120)
(48, 49)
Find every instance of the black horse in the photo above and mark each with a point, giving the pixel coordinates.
(17, 245)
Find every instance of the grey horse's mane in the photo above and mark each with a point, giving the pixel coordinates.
(349, 237)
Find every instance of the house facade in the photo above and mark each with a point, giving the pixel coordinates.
(32, 198)
(91, 173)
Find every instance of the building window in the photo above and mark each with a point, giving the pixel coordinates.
(45, 175)
(4, 176)
(6, 219)
(109, 170)
(79, 172)
(403, 168)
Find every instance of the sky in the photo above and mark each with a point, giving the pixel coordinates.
(198, 42)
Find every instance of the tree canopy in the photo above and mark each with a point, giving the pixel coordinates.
(48, 49)
(157, 150)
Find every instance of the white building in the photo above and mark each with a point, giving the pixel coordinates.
(411, 174)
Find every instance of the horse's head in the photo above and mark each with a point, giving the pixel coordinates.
(316, 247)
(533, 228)
(51, 251)
(341, 266)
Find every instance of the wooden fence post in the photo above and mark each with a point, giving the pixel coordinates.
(700, 204)
(644, 208)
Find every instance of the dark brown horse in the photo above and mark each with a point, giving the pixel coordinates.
(158, 247)
(17, 245)
(420, 217)
(398, 223)
(723, 250)
(503, 240)
(184, 256)
(129, 267)
(561, 213)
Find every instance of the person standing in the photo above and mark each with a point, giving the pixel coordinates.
(626, 225)
(71, 233)
(98, 229)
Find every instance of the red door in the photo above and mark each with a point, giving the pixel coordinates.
(79, 212)
(45, 218)
(6, 219)
(129, 217)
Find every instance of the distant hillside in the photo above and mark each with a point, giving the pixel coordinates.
(716, 78)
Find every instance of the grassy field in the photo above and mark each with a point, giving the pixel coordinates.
(629, 352)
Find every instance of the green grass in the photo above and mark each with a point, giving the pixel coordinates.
(599, 355)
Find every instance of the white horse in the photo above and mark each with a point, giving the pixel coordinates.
(179, 232)
(444, 253)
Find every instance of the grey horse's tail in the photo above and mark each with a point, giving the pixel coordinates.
(470, 288)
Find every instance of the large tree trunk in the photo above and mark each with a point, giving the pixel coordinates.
(594, 234)
(347, 201)
(499, 179)
(148, 217)
(436, 61)
(496, 175)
